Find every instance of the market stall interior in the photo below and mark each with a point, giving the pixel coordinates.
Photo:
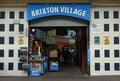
(52, 47)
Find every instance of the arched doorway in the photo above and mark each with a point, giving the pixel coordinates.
(56, 27)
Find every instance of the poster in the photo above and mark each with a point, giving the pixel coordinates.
(96, 29)
(96, 40)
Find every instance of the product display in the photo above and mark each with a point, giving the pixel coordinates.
(37, 66)
(53, 61)
(35, 59)
(54, 66)
(42, 57)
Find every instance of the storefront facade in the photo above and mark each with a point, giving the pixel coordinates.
(104, 40)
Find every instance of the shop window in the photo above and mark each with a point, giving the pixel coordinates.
(21, 15)
(11, 53)
(97, 53)
(1, 66)
(1, 53)
(107, 66)
(21, 27)
(11, 27)
(116, 14)
(97, 66)
(2, 27)
(2, 14)
(106, 53)
(116, 53)
(11, 40)
(106, 27)
(1, 40)
(10, 66)
(116, 66)
(12, 14)
(106, 14)
(20, 66)
(116, 40)
(116, 27)
(96, 15)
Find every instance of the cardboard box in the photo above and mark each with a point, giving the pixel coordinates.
(54, 53)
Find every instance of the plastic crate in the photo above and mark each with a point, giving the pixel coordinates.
(54, 68)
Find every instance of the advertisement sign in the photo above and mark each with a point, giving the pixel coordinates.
(73, 10)
(96, 40)
(96, 28)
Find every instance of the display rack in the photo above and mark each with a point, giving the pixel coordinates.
(53, 61)
(54, 64)
(37, 66)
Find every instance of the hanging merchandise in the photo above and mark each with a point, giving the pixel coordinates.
(35, 59)
(52, 32)
(62, 40)
(23, 58)
(25, 66)
(53, 60)
(50, 40)
(41, 35)
(23, 54)
(72, 41)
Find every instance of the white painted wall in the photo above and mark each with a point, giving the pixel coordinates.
(93, 60)
(102, 47)
(6, 59)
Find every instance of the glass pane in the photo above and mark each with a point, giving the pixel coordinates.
(1, 66)
(116, 66)
(96, 14)
(10, 66)
(20, 66)
(21, 15)
(1, 53)
(116, 40)
(116, 14)
(116, 53)
(12, 14)
(11, 53)
(107, 66)
(116, 27)
(106, 27)
(11, 27)
(106, 14)
(2, 27)
(11, 40)
(97, 66)
(106, 52)
(97, 53)
(2, 15)
(1, 40)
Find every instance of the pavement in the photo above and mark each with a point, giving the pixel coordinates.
(64, 74)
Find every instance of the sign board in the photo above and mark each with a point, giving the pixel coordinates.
(96, 28)
(35, 11)
(21, 41)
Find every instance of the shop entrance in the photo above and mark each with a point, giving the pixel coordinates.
(59, 44)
